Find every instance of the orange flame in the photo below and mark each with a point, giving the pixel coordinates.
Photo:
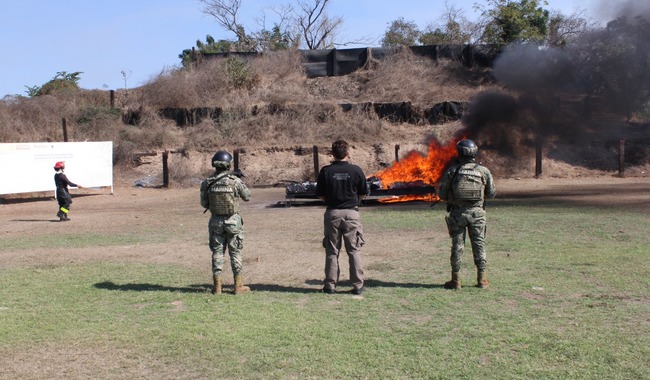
(410, 198)
(416, 167)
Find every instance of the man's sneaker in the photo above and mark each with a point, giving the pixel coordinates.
(329, 291)
(358, 292)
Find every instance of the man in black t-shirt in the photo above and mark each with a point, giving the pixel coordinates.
(342, 185)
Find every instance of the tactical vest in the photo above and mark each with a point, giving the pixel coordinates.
(468, 184)
(223, 197)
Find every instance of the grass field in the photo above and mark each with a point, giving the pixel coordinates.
(570, 298)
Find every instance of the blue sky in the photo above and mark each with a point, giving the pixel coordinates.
(103, 38)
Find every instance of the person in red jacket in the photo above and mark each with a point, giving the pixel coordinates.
(62, 194)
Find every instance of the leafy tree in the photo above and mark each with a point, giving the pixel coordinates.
(279, 40)
(509, 21)
(401, 33)
(434, 37)
(210, 46)
(274, 40)
(62, 81)
(32, 91)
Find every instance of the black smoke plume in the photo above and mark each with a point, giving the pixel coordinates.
(566, 94)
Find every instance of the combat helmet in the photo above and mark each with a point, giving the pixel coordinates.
(221, 160)
(466, 148)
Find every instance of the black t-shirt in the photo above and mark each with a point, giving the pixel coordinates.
(341, 183)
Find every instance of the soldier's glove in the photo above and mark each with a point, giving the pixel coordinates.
(239, 173)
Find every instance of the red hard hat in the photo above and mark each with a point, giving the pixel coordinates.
(59, 165)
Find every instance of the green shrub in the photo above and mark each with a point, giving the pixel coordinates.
(62, 82)
(91, 114)
(239, 73)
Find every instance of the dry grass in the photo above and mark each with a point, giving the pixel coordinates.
(276, 106)
(281, 78)
(39, 119)
(281, 106)
(420, 80)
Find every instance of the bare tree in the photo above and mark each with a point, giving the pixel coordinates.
(306, 24)
(453, 28)
(317, 28)
(225, 12)
(564, 29)
(284, 34)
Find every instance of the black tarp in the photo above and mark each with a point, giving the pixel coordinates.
(347, 61)
(317, 63)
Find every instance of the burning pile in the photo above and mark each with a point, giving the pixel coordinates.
(411, 179)
(416, 171)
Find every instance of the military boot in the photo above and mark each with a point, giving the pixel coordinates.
(454, 283)
(239, 285)
(216, 288)
(482, 281)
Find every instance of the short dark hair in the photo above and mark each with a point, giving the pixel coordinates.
(340, 149)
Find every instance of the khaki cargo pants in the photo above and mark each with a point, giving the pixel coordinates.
(343, 227)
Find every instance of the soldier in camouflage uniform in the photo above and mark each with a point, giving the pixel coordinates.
(220, 194)
(465, 186)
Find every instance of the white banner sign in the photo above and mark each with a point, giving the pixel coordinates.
(29, 167)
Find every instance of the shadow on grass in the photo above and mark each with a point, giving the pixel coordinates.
(197, 288)
(282, 288)
(342, 287)
(109, 285)
(372, 283)
(203, 288)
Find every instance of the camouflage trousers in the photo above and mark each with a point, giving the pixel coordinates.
(461, 221)
(226, 232)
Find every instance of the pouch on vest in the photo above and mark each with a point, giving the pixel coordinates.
(468, 184)
(223, 198)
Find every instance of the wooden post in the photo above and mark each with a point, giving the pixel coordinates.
(396, 152)
(621, 158)
(65, 129)
(316, 166)
(165, 157)
(112, 92)
(469, 59)
(236, 159)
(538, 160)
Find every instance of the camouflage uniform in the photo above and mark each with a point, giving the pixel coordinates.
(220, 194)
(467, 212)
